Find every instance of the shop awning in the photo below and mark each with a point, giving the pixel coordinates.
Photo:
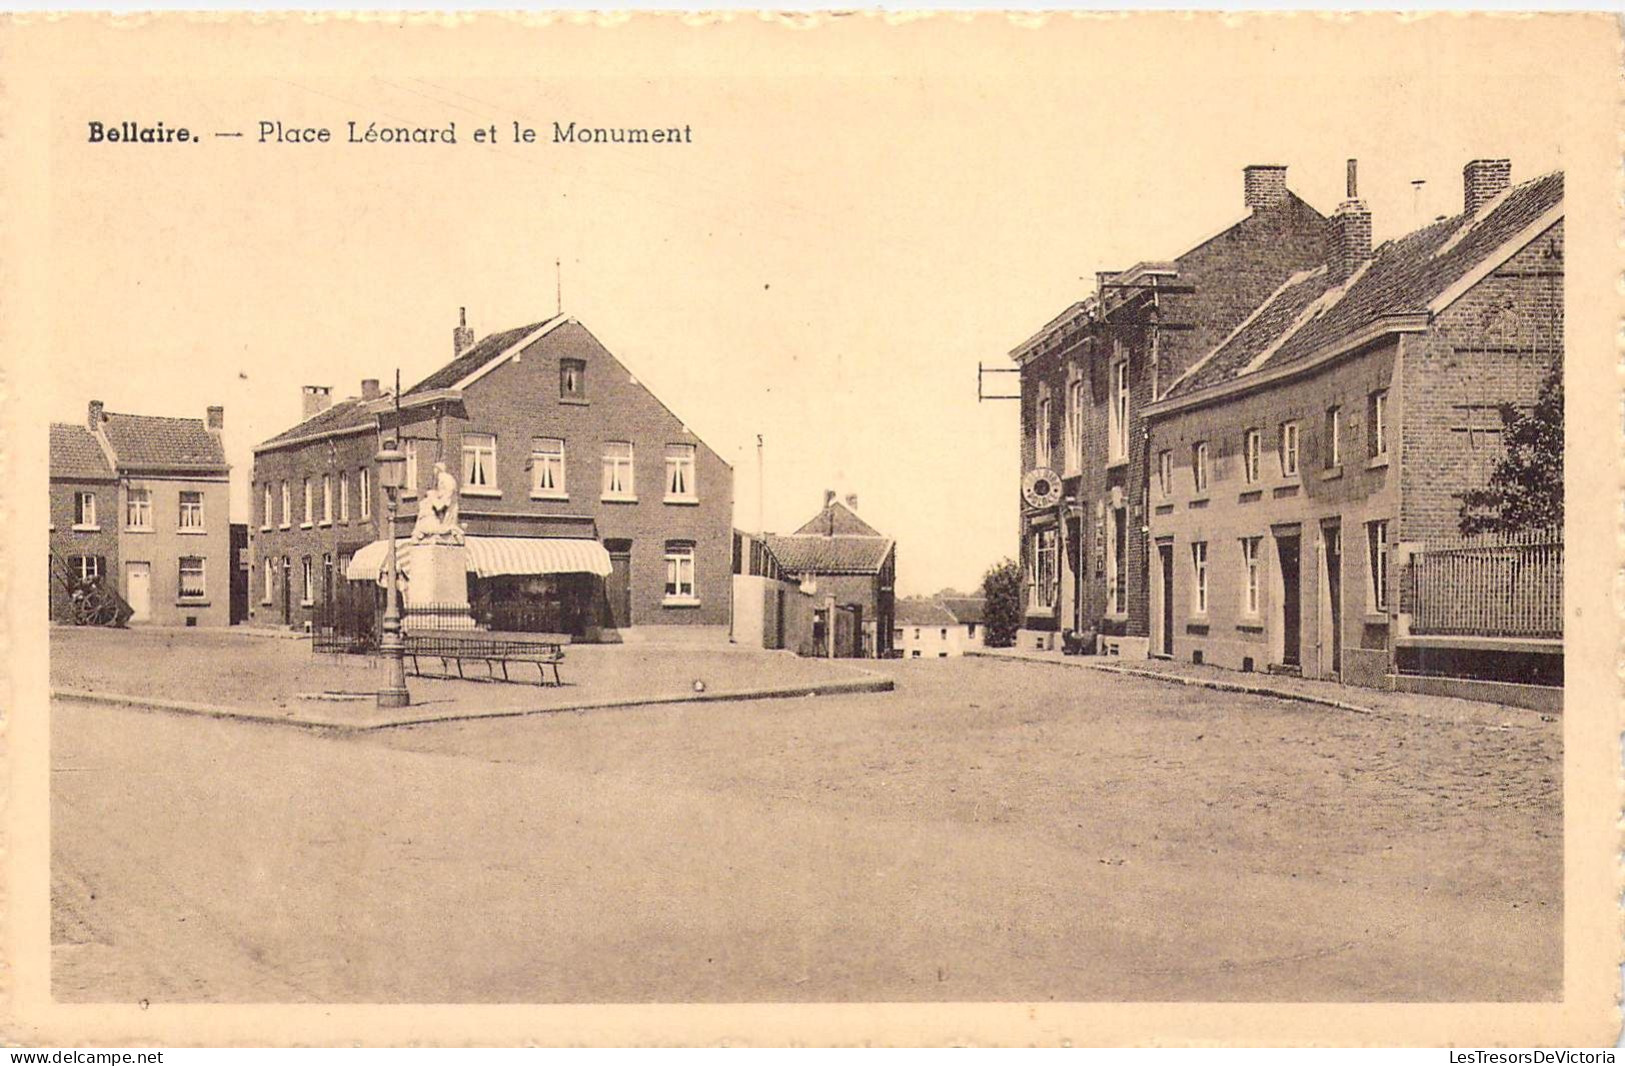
(496, 556)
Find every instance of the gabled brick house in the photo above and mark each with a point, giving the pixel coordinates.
(1306, 457)
(1086, 378)
(845, 557)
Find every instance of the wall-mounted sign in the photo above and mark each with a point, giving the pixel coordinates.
(1041, 488)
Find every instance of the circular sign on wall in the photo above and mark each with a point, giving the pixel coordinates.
(1041, 488)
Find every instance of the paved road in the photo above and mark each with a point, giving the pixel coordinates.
(990, 831)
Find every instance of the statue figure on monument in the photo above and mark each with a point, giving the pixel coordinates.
(437, 511)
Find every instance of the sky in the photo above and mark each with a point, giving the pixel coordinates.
(864, 214)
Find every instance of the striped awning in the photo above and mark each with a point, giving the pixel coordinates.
(495, 556)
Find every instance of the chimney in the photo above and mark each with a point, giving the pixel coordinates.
(314, 399)
(462, 338)
(1483, 180)
(1350, 243)
(94, 418)
(829, 497)
(215, 420)
(1263, 185)
(370, 389)
(852, 501)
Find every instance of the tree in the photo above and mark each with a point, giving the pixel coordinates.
(1001, 615)
(1525, 492)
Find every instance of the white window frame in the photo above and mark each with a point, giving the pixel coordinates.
(681, 469)
(1379, 423)
(480, 464)
(1252, 451)
(310, 505)
(202, 590)
(1378, 555)
(364, 490)
(307, 569)
(1046, 583)
(344, 497)
(287, 507)
(1119, 410)
(1289, 445)
(1074, 425)
(579, 392)
(138, 510)
(327, 499)
(85, 517)
(1251, 576)
(189, 517)
(1041, 432)
(1165, 472)
(270, 580)
(1199, 575)
(1199, 468)
(550, 465)
(84, 572)
(619, 481)
(1334, 436)
(269, 517)
(681, 584)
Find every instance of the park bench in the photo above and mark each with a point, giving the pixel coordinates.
(496, 652)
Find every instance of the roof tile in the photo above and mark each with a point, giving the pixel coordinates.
(76, 455)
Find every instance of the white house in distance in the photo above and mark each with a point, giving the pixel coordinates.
(937, 629)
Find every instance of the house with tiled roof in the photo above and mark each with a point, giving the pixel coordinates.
(1086, 378)
(1305, 463)
(939, 628)
(590, 508)
(836, 553)
(142, 502)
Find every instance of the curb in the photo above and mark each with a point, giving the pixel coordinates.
(872, 682)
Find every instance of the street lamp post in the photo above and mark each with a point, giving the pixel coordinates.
(391, 475)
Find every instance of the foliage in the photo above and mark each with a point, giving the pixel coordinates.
(1002, 586)
(1525, 493)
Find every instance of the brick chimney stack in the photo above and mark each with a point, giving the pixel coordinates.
(1483, 180)
(462, 338)
(1350, 233)
(1263, 185)
(93, 417)
(852, 501)
(370, 389)
(215, 420)
(314, 399)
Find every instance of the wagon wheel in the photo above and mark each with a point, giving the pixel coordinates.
(103, 607)
(84, 609)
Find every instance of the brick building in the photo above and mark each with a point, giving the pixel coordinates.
(143, 501)
(836, 553)
(566, 466)
(1086, 378)
(1309, 455)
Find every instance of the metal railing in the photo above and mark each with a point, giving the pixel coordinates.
(1512, 587)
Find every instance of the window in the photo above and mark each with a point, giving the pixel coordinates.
(1165, 472)
(309, 586)
(1334, 437)
(268, 514)
(327, 499)
(1045, 573)
(270, 580)
(86, 567)
(1041, 452)
(547, 467)
(572, 379)
(1117, 583)
(618, 483)
(191, 510)
(1199, 577)
(1074, 424)
(287, 507)
(1252, 447)
(409, 487)
(680, 570)
(310, 506)
(84, 511)
(192, 577)
(138, 509)
(680, 472)
(1289, 449)
(1119, 410)
(1199, 465)
(479, 462)
(1378, 412)
(364, 490)
(1249, 569)
(1377, 552)
(344, 497)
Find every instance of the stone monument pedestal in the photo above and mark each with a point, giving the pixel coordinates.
(437, 592)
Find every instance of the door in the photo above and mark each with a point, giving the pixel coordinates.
(618, 585)
(1333, 537)
(1165, 557)
(138, 590)
(1287, 551)
(778, 622)
(287, 591)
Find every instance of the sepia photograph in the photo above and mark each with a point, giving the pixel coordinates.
(829, 529)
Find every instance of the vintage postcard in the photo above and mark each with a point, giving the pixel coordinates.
(824, 529)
